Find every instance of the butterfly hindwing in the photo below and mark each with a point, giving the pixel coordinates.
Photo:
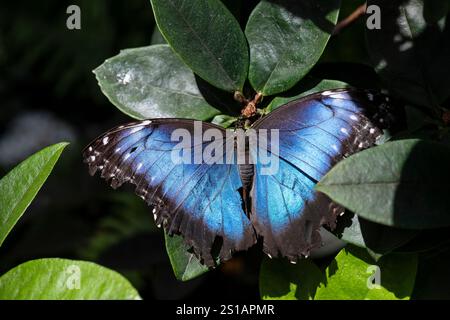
(199, 201)
(314, 134)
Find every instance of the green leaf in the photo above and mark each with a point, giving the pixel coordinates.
(61, 279)
(207, 38)
(19, 187)
(287, 38)
(157, 37)
(307, 89)
(402, 184)
(411, 54)
(151, 82)
(224, 120)
(378, 238)
(185, 265)
(280, 280)
(350, 276)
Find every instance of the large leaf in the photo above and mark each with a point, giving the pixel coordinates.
(184, 263)
(411, 49)
(306, 89)
(60, 279)
(19, 187)
(207, 38)
(287, 38)
(402, 184)
(351, 274)
(152, 82)
(376, 237)
(280, 280)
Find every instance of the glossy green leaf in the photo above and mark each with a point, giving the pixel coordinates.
(378, 238)
(185, 264)
(281, 280)
(354, 275)
(207, 38)
(19, 187)
(305, 90)
(287, 38)
(151, 82)
(402, 184)
(61, 279)
(411, 53)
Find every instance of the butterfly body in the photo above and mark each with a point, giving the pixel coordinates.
(240, 201)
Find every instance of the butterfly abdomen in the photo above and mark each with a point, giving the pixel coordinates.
(246, 172)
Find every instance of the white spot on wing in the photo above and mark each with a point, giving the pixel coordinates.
(344, 130)
(136, 129)
(339, 95)
(353, 117)
(105, 140)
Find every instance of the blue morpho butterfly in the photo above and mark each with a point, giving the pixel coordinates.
(232, 204)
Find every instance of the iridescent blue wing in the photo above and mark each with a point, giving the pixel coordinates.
(199, 201)
(314, 134)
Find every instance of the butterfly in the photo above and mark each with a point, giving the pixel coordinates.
(230, 205)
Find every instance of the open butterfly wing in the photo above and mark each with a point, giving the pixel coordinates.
(199, 201)
(314, 134)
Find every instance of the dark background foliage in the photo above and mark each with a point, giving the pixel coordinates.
(49, 94)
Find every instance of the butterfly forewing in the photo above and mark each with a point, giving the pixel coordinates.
(198, 200)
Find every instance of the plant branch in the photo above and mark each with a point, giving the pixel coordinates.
(360, 11)
(250, 107)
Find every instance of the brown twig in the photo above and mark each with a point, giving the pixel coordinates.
(360, 11)
(250, 108)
